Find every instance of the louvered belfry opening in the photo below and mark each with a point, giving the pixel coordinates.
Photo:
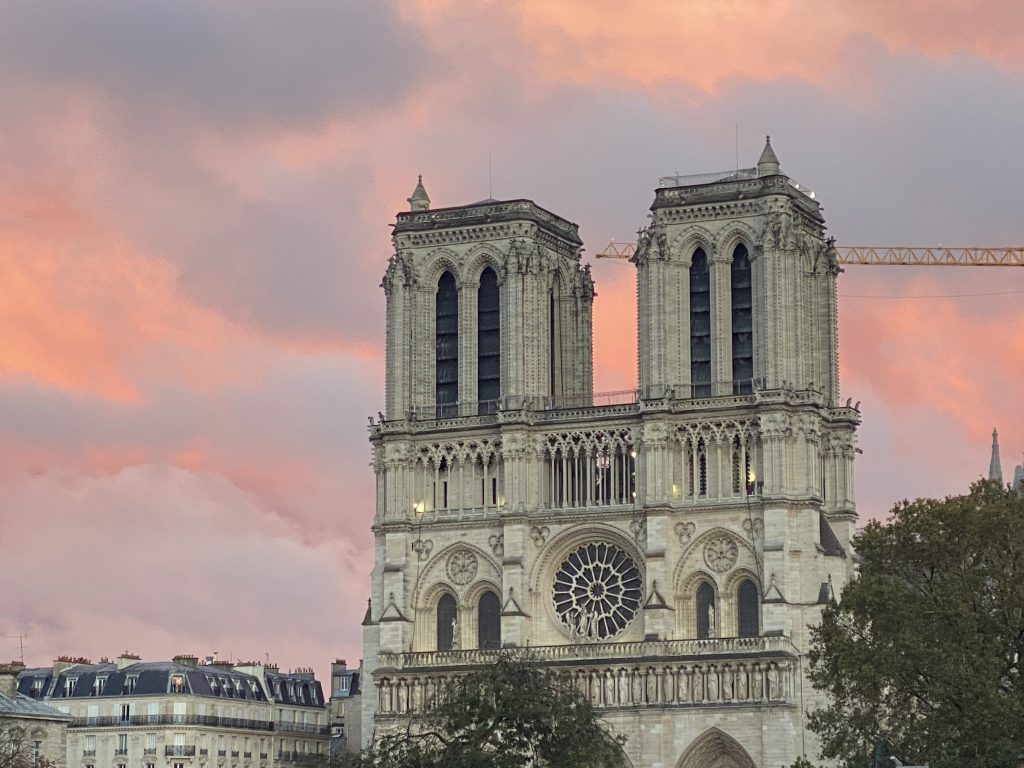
(489, 621)
(488, 315)
(700, 325)
(742, 323)
(446, 393)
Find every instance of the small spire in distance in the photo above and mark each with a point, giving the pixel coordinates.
(768, 163)
(995, 467)
(419, 200)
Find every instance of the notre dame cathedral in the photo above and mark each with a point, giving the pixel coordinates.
(666, 548)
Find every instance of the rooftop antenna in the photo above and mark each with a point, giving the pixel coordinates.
(737, 147)
(21, 644)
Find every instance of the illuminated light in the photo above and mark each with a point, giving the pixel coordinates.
(632, 454)
(419, 508)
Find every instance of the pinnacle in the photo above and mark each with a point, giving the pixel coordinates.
(419, 201)
(768, 163)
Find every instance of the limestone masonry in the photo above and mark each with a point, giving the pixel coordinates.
(667, 547)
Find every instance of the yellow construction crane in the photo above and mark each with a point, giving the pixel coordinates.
(874, 255)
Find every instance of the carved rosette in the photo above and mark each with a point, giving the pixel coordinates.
(462, 567)
(721, 553)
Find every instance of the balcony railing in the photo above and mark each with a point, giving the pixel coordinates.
(282, 725)
(149, 751)
(88, 753)
(179, 750)
(223, 722)
(681, 649)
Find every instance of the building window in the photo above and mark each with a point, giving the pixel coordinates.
(98, 685)
(489, 621)
(742, 323)
(700, 325)
(126, 713)
(748, 609)
(37, 688)
(177, 684)
(129, 684)
(122, 744)
(447, 616)
(446, 336)
(69, 686)
(488, 317)
(705, 611)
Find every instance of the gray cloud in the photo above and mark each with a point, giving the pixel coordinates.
(227, 62)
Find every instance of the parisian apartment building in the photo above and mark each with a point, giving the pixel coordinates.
(129, 713)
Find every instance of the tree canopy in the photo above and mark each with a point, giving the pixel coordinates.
(922, 656)
(510, 714)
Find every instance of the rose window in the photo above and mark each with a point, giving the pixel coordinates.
(597, 591)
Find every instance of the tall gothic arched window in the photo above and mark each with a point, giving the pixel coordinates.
(488, 621)
(747, 601)
(447, 619)
(706, 621)
(446, 336)
(488, 337)
(742, 323)
(700, 325)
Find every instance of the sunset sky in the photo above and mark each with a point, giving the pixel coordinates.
(195, 201)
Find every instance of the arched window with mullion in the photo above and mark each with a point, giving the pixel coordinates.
(742, 323)
(447, 622)
(705, 604)
(489, 621)
(747, 604)
(446, 337)
(488, 317)
(700, 325)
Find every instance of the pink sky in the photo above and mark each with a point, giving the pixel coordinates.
(194, 212)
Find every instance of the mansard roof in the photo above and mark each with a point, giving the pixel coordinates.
(22, 706)
(295, 688)
(488, 212)
(150, 678)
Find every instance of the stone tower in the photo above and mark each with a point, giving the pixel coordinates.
(666, 549)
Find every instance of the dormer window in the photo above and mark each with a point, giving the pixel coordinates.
(98, 685)
(177, 684)
(69, 685)
(129, 684)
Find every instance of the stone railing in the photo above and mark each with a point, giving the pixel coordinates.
(686, 649)
(681, 673)
(737, 682)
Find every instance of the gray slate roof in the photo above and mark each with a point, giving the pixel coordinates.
(22, 706)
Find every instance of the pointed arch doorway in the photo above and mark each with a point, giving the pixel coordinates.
(715, 749)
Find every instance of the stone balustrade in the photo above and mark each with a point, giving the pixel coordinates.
(678, 673)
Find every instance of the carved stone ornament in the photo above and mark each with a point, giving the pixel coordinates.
(753, 528)
(422, 548)
(539, 534)
(497, 542)
(720, 553)
(684, 531)
(462, 567)
(638, 526)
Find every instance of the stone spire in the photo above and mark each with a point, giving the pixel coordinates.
(995, 467)
(419, 200)
(768, 163)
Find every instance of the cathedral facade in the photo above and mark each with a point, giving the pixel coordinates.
(665, 548)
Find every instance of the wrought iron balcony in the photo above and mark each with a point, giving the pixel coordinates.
(179, 750)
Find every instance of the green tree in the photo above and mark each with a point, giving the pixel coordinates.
(922, 657)
(510, 714)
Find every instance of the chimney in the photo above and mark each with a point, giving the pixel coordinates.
(127, 659)
(9, 678)
(187, 661)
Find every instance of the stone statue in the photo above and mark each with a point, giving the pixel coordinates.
(455, 633)
(711, 621)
